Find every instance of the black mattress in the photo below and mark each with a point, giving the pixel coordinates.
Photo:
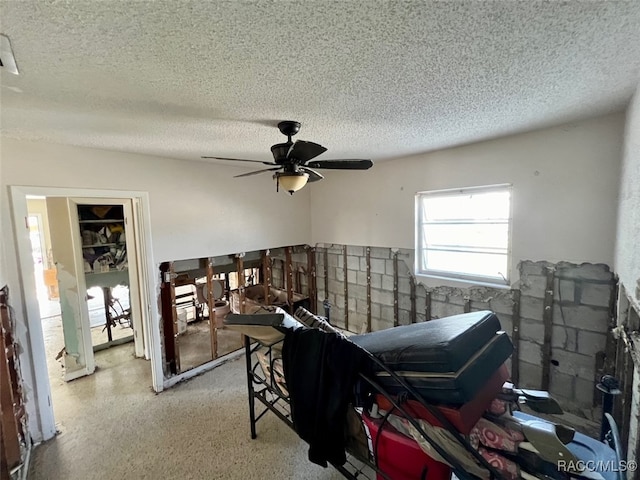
(446, 360)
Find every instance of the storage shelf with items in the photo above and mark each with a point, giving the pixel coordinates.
(102, 229)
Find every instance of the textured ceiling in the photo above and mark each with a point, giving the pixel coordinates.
(368, 79)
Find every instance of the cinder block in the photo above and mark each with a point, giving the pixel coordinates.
(584, 392)
(353, 263)
(382, 297)
(340, 274)
(377, 265)
(361, 305)
(389, 269)
(352, 276)
(564, 290)
(339, 301)
(585, 271)
(532, 330)
(561, 384)
(386, 313)
(387, 282)
(596, 294)
(582, 317)
(380, 324)
(331, 273)
(420, 317)
(404, 301)
(375, 310)
(530, 375)
(361, 278)
(527, 267)
(564, 338)
(531, 307)
(376, 280)
(379, 252)
(533, 286)
(574, 364)
(404, 317)
(358, 291)
(530, 352)
(356, 250)
(404, 285)
(590, 343)
(332, 260)
(501, 304)
(352, 304)
(363, 264)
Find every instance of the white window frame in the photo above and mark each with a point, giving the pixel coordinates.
(423, 270)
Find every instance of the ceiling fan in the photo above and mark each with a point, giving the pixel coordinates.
(293, 161)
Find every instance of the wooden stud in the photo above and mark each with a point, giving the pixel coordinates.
(266, 268)
(169, 317)
(211, 302)
(396, 306)
(427, 306)
(288, 267)
(346, 288)
(627, 399)
(368, 260)
(241, 280)
(325, 255)
(467, 305)
(412, 285)
(547, 318)
(515, 336)
(312, 281)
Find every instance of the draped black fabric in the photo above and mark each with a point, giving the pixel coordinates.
(321, 369)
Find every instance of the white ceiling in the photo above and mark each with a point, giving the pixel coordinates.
(367, 79)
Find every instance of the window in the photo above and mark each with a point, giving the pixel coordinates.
(464, 233)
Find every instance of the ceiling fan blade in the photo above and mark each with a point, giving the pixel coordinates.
(256, 172)
(351, 164)
(241, 160)
(313, 175)
(304, 151)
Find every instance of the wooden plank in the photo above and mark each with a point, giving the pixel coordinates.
(288, 271)
(396, 305)
(169, 317)
(412, 286)
(368, 261)
(547, 319)
(427, 306)
(10, 430)
(515, 336)
(241, 280)
(346, 288)
(467, 305)
(266, 268)
(312, 280)
(211, 303)
(325, 258)
(627, 399)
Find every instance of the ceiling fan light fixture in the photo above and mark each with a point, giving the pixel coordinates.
(291, 181)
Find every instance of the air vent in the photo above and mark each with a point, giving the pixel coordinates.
(7, 60)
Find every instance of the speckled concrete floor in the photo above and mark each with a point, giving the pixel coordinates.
(112, 426)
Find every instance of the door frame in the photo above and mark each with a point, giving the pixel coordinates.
(42, 424)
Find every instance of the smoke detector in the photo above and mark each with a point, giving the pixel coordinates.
(7, 60)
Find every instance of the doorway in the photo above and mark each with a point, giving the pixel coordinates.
(42, 423)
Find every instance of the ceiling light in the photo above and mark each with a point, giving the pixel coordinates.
(291, 181)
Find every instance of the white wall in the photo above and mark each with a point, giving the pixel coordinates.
(197, 209)
(565, 182)
(627, 259)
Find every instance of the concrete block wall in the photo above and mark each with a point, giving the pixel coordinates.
(581, 309)
(299, 268)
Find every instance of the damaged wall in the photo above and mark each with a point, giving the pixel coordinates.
(580, 317)
(627, 257)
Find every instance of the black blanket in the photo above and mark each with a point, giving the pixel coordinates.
(320, 370)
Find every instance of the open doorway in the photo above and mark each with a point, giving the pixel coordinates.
(59, 351)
